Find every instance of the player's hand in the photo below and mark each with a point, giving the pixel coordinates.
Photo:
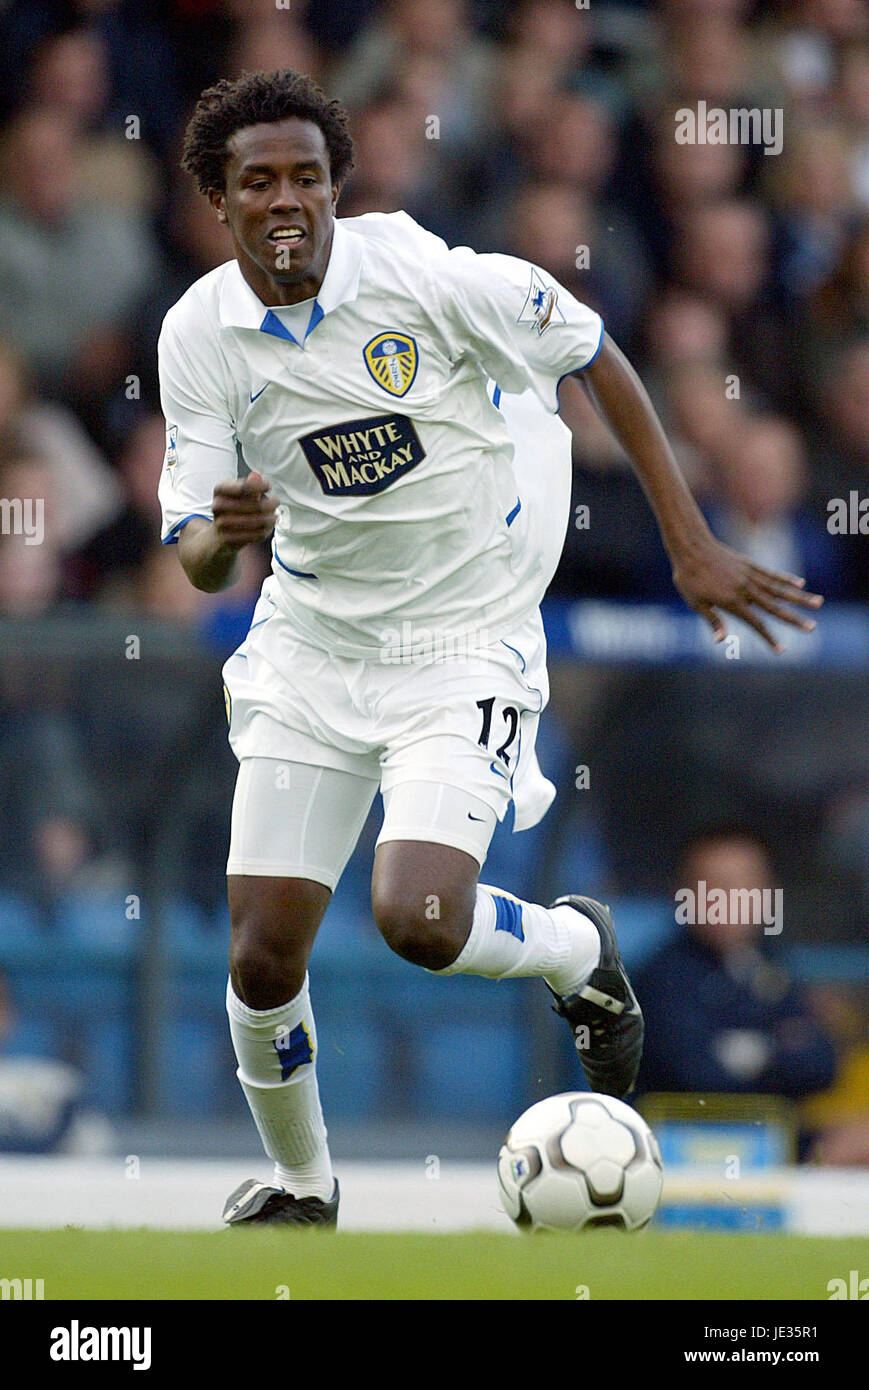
(243, 511)
(713, 578)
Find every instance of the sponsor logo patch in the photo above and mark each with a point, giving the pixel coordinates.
(392, 359)
(541, 305)
(359, 457)
(171, 445)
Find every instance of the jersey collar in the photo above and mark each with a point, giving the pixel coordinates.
(241, 308)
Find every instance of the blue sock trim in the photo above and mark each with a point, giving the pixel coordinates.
(508, 916)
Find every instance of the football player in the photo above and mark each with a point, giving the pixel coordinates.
(395, 406)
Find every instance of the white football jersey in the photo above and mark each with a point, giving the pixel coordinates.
(401, 504)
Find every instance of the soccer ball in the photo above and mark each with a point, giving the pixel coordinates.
(579, 1160)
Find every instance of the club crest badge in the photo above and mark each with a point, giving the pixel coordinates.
(392, 360)
(541, 305)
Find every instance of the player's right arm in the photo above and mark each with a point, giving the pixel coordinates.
(243, 513)
(208, 511)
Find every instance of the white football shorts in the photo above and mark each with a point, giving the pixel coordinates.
(448, 737)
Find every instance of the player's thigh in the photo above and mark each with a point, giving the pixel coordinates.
(296, 820)
(294, 827)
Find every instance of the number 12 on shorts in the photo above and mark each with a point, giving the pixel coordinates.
(510, 717)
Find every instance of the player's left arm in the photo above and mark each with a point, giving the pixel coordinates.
(710, 576)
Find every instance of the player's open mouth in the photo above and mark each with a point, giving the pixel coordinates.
(286, 236)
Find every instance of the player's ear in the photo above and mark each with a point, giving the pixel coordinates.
(336, 193)
(217, 199)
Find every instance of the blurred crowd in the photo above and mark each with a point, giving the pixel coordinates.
(736, 280)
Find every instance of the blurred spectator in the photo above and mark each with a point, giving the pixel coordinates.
(265, 39)
(675, 180)
(53, 818)
(70, 273)
(836, 313)
(761, 507)
(687, 176)
(842, 450)
(119, 548)
(845, 834)
(85, 492)
(833, 19)
(548, 38)
(686, 347)
(575, 144)
(440, 31)
(804, 39)
(31, 563)
(724, 255)
(682, 329)
(854, 102)
(572, 150)
(699, 413)
(816, 205)
(398, 169)
(721, 1015)
(141, 52)
(844, 408)
(158, 590)
(70, 75)
(699, 53)
(41, 1101)
(525, 86)
(709, 54)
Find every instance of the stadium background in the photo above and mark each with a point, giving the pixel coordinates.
(737, 282)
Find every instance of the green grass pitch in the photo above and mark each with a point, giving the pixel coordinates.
(269, 1264)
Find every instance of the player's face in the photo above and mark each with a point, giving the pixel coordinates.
(278, 205)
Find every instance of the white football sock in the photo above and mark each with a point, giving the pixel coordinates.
(511, 938)
(276, 1051)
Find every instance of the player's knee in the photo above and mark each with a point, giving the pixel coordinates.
(427, 931)
(267, 969)
(274, 923)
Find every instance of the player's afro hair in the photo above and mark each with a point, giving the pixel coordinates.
(258, 98)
